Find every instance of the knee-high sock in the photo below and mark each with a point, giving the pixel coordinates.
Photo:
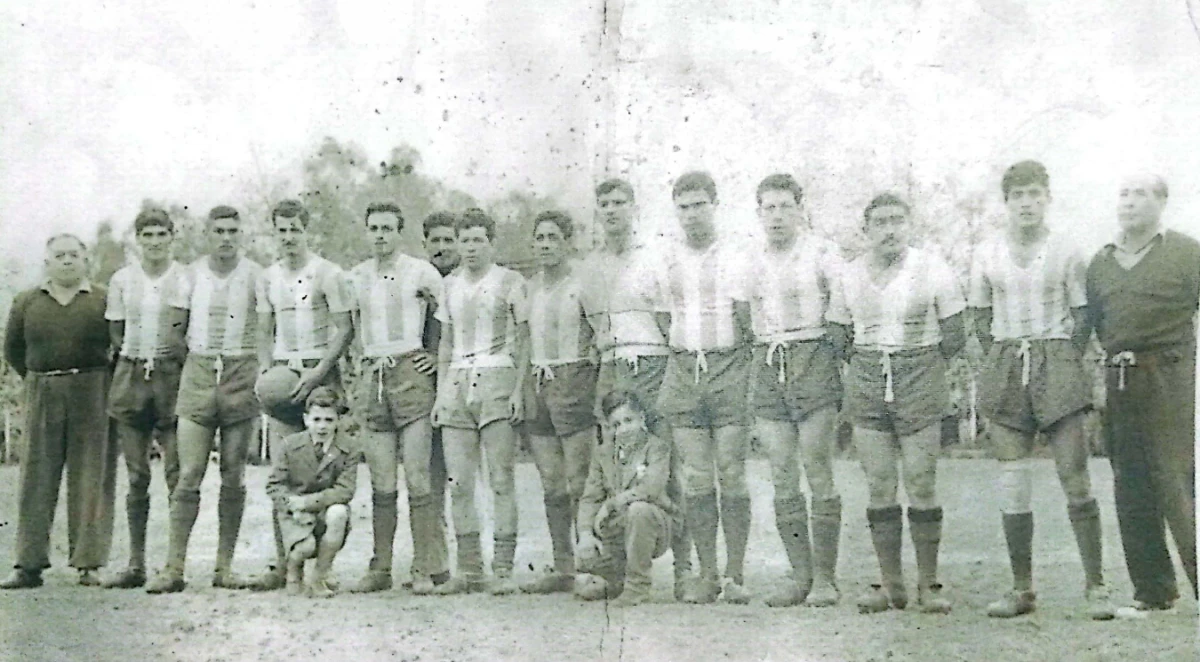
(185, 506)
(470, 556)
(383, 529)
(826, 536)
(925, 528)
(1085, 521)
(231, 504)
(887, 532)
(558, 518)
(1018, 533)
(791, 518)
(504, 550)
(423, 525)
(735, 522)
(137, 511)
(702, 523)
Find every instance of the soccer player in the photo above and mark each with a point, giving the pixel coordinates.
(149, 333)
(703, 394)
(216, 392)
(898, 311)
(627, 508)
(303, 323)
(562, 397)
(483, 358)
(631, 320)
(313, 477)
(394, 293)
(797, 388)
(58, 342)
(1143, 291)
(1027, 296)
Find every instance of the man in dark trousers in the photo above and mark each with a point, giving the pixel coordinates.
(57, 340)
(1143, 292)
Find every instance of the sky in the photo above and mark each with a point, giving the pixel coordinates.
(109, 103)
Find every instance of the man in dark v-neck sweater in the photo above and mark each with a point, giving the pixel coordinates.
(57, 340)
(1143, 292)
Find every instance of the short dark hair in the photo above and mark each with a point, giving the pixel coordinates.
(1024, 174)
(223, 211)
(884, 200)
(439, 219)
(614, 184)
(614, 400)
(476, 218)
(558, 218)
(780, 182)
(153, 216)
(67, 235)
(695, 180)
(291, 209)
(385, 208)
(324, 396)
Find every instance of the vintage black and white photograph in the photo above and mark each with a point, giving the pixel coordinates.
(610, 330)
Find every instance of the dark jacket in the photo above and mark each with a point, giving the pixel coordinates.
(645, 473)
(297, 471)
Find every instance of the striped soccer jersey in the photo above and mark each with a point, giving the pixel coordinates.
(902, 313)
(1031, 302)
(558, 331)
(221, 317)
(701, 288)
(392, 303)
(143, 304)
(621, 298)
(304, 303)
(483, 317)
(789, 290)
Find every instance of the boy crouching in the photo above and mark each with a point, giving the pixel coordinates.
(311, 484)
(626, 515)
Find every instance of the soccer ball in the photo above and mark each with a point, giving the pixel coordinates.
(274, 391)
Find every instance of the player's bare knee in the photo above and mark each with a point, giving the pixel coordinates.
(190, 477)
(337, 515)
(1076, 484)
(305, 549)
(921, 490)
(733, 481)
(821, 485)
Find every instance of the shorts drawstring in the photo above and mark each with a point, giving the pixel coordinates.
(1122, 361)
(296, 364)
(1024, 352)
(378, 367)
(632, 361)
(149, 368)
(220, 367)
(781, 348)
(701, 366)
(541, 373)
(889, 394)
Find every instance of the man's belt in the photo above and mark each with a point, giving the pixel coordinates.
(66, 371)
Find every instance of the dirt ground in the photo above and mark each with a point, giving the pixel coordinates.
(65, 622)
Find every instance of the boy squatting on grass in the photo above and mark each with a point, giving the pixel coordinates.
(311, 484)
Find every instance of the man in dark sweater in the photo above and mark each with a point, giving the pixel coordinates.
(57, 340)
(1143, 291)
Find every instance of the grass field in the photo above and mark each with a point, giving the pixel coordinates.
(64, 622)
